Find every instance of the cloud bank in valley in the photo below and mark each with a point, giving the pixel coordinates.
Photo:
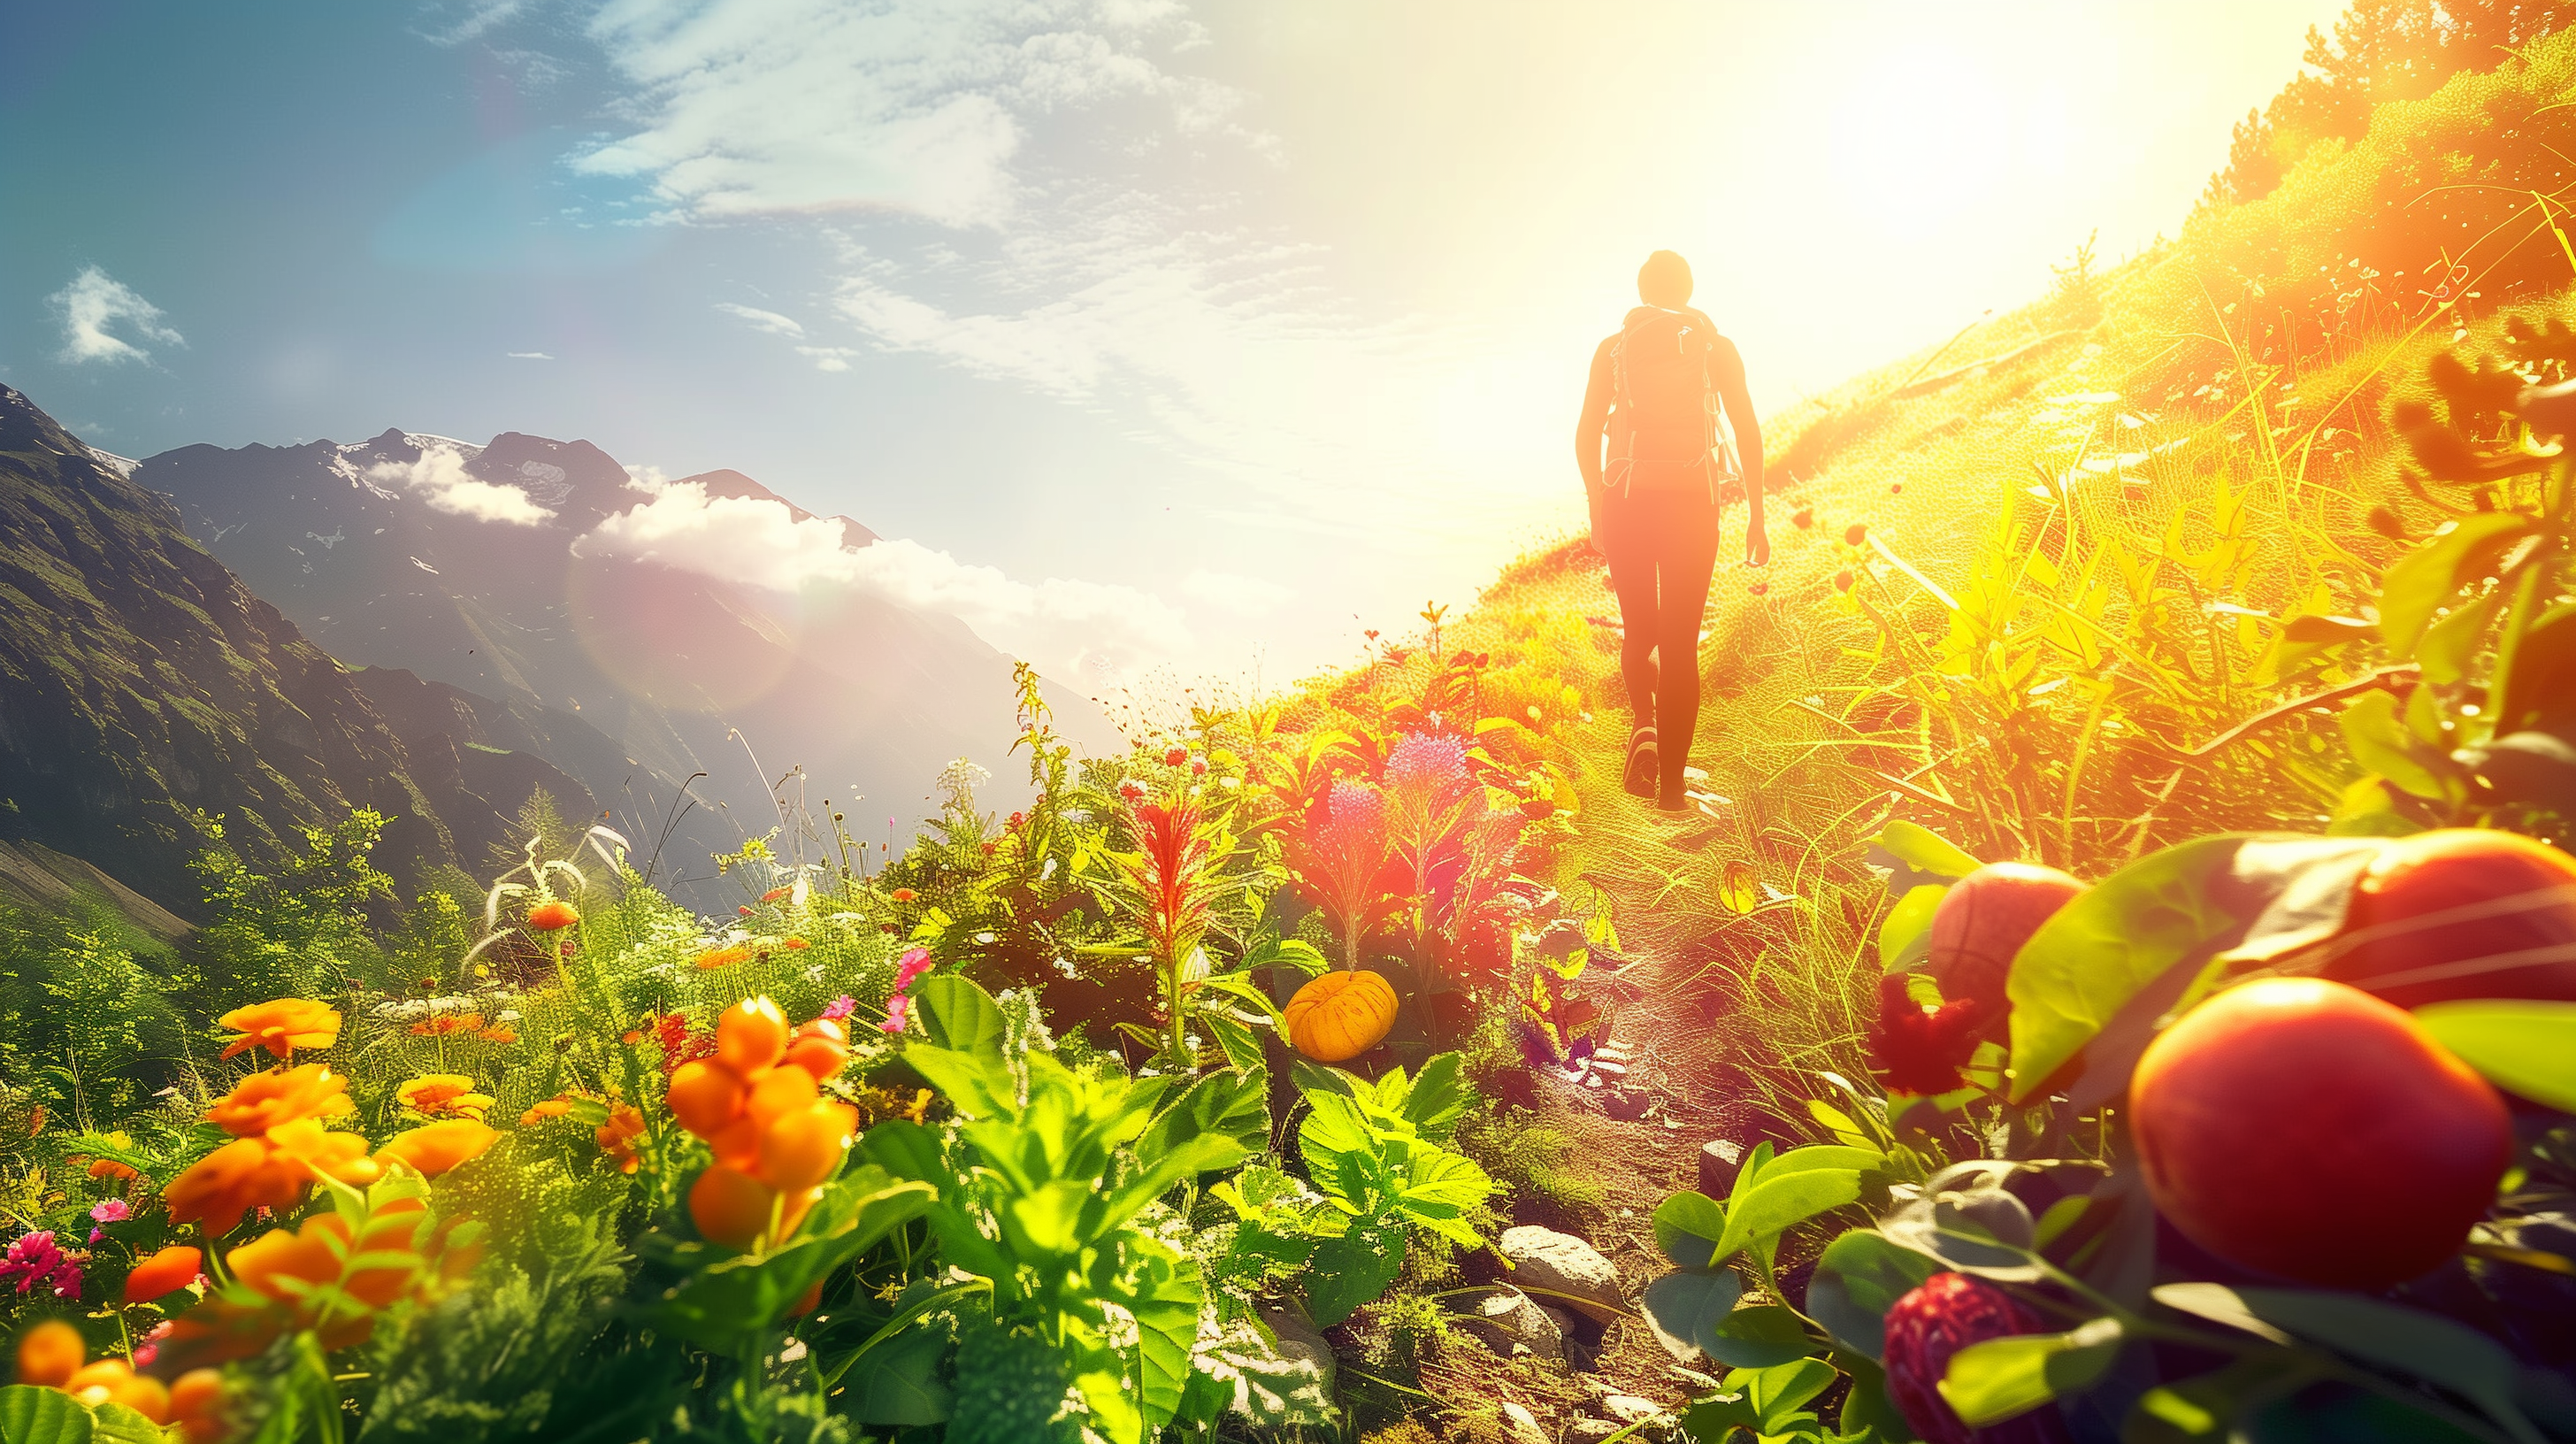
(439, 479)
(1067, 627)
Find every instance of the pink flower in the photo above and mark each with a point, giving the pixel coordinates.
(113, 1210)
(898, 1009)
(148, 1347)
(914, 963)
(841, 1007)
(35, 1259)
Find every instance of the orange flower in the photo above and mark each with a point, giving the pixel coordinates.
(617, 1136)
(264, 1101)
(797, 945)
(551, 917)
(721, 958)
(453, 1023)
(305, 1150)
(281, 1025)
(168, 1271)
(500, 1035)
(555, 1107)
(110, 1168)
(434, 1148)
(444, 1095)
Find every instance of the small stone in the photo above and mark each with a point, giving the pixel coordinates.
(1524, 1425)
(1719, 1161)
(1573, 1272)
(1625, 1104)
(1586, 1430)
(1629, 1409)
(1505, 1321)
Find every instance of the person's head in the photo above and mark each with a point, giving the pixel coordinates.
(1665, 280)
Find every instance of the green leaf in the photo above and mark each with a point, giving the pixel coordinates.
(1786, 1197)
(1687, 1228)
(1685, 1310)
(1760, 1336)
(1241, 1046)
(117, 1424)
(2381, 743)
(1166, 1304)
(2452, 643)
(1439, 1096)
(1914, 855)
(1354, 1269)
(2524, 1046)
(958, 1015)
(1992, 1381)
(2427, 1346)
(1869, 1416)
(2425, 579)
(1905, 934)
(902, 1384)
(1860, 1275)
(976, 1085)
(1231, 1104)
(2534, 767)
(29, 1415)
(1778, 1392)
(2123, 952)
(2203, 1407)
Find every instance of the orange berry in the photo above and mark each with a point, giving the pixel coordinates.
(738, 1145)
(818, 1055)
(50, 1353)
(197, 1403)
(144, 1395)
(797, 1206)
(805, 1148)
(96, 1383)
(548, 917)
(730, 1207)
(751, 1035)
(171, 1269)
(705, 1096)
(783, 1091)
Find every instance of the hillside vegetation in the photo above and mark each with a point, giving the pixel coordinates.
(1337, 1065)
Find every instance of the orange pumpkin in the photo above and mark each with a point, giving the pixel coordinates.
(1340, 1015)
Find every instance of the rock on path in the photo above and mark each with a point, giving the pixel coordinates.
(1573, 1272)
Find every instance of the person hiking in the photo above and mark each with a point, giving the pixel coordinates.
(1656, 394)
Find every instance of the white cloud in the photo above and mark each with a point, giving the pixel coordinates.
(478, 18)
(764, 106)
(440, 479)
(95, 301)
(828, 358)
(1243, 596)
(1057, 623)
(769, 321)
(530, 356)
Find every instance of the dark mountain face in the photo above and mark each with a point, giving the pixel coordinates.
(468, 567)
(139, 679)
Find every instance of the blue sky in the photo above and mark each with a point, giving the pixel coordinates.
(1196, 337)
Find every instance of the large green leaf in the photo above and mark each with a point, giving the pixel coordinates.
(117, 1424)
(1165, 1303)
(29, 1415)
(1785, 1197)
(1760, 1336)
(1232, 1104)
(1685, 1310)
(1905, 934)
(2523, 1046)
(744, 1295)
(959, 1015)
(2427, 1346)
(1438, 1097)
(1860, 1275)
(1915, 856)
(1992, 1381)
(1354, 1268)
(976, 1085)
(1687, 1228)
(2099, 974)
(2379, 740)
(901, 1383)
(2421, 582)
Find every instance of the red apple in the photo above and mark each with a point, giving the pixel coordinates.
(1981, 923)
(2433, 916)
(2299, 1127)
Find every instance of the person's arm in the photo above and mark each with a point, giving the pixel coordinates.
(1594, 425)
(1748, 447)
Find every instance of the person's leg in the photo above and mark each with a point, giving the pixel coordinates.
(1628, 542)
(1686, 556)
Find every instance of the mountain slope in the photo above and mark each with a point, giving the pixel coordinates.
(139, 680)
(483, 568)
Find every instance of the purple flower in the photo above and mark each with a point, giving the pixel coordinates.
(113, 1210)
(1426, 763)
(34, 1259)
(898, 1008)
(841, 1007)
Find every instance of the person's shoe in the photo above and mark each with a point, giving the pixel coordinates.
(1644, 764)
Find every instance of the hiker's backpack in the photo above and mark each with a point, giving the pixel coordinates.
(1664, 403)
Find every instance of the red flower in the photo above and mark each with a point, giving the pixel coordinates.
(1174, 757)
(1925, 1327)
(903, 894)
(551, 917)
(1843, 580)
(1919, 1051)
(743, 911)
(1855, 534)
(1803, 518)
(774, 894)
(1895, 487)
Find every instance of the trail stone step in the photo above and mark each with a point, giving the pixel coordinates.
(1574, 1274)
(1506, 1321)
(1719, 1161)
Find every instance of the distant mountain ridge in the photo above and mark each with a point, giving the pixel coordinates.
(139, 679)
(466, 567)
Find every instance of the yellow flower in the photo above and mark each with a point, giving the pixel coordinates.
(721, 958)
(281, 1025)
(444, 1095)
